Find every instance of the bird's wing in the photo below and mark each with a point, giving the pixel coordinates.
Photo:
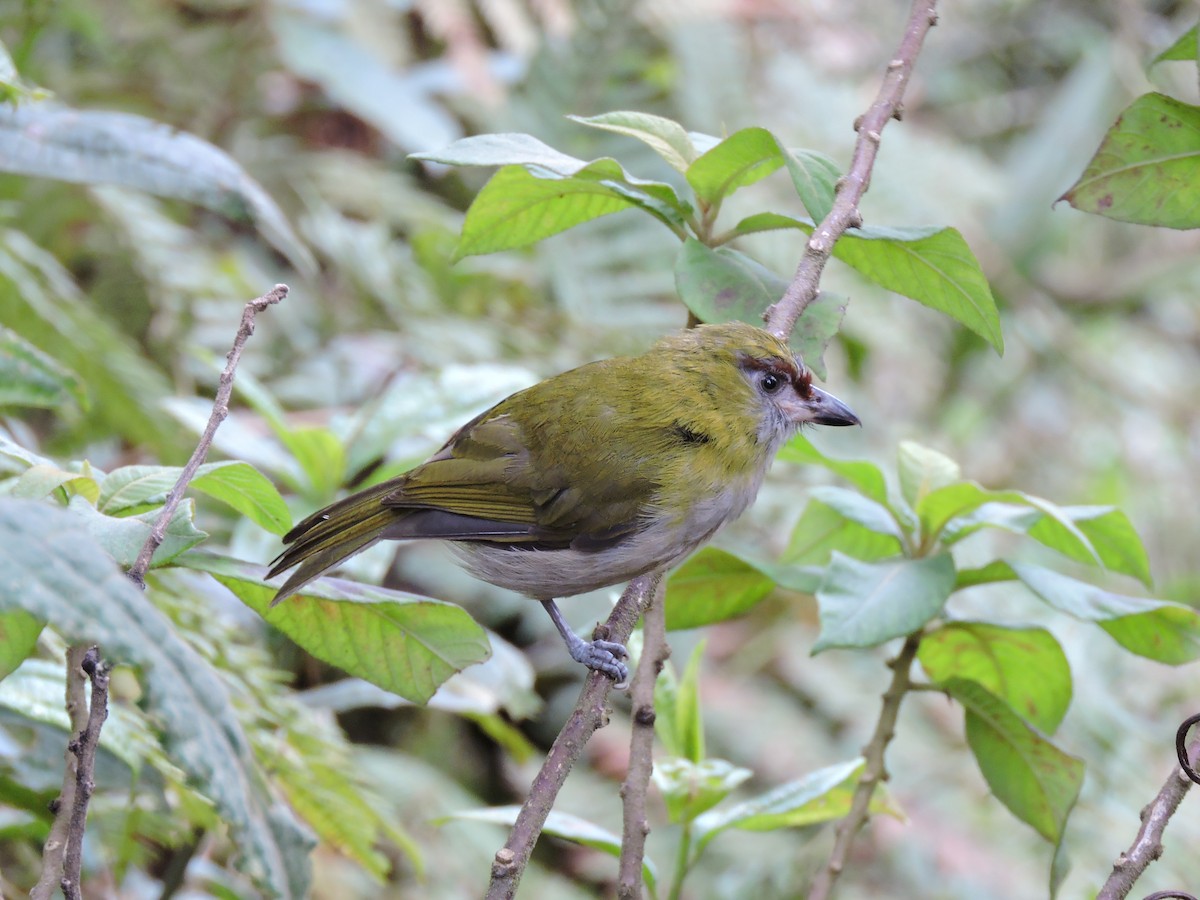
(490, 482)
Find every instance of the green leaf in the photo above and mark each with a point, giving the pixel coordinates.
(860, 509)
(321, 457)
(29, 377)
(38, 482)
(713, 586)
(18, 639)
(237, 484)
(666, 137)
(123, 538)
(1183, 50)
(724, 285)
(933, 266)
(242, 487)
(922, 471)
(820, 796)
(946, 507)
(402, 642)
(565, 826)
(1157, 629)
(1147, 168)
(823, 531)
(767, 221)
(57, 572)
(690, 787)
(991, 573)
(1110, 533)
(864, 604)
(814, 176)
(743, 158)
(83, 146)
(1037, 781)
(1024, 667)
(867, 477)
(516, 209)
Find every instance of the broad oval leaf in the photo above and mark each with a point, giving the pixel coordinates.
(933, 266)
(1038, 782)
(814, 176)
(857, 508)
(666, 137)
(123, 538)
(1024, 667)
(923, 470)
(19, 632)
(1147, 168)
(822, 531)
(864, 604)
(743, 158)
(723, 285)
(1157, 629)
(401, 642)
(866, 476)
(516, 208)
(820, 796)
(57, 572)
(713, 586)
(45, 140)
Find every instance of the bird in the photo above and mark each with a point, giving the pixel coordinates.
(592, 477)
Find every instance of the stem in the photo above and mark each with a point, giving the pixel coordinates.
(1147, 846)
(874, 772)
(137, 573)
(590, 713)
(84, 747)
(682, 861)
(641, 747)
(56, 841)
(781, 317)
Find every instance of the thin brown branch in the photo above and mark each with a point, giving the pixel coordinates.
(137, 573)
(1147, 846)
(56, 842)
(781, 317)
(641, 748)
(590, 713)
(84, 748)
(874, 772)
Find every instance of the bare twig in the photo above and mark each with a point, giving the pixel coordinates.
(56, 842)
(874, 772)
(1147, 846)
(641, 748)
(137, 572)
(590, 713)
(84, 748)
(781, 317)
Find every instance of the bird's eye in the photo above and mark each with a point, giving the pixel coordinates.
(771, 383)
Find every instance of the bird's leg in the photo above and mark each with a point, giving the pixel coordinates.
(603, 656)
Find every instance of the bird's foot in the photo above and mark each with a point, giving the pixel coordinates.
(603, 656)
(598, 655)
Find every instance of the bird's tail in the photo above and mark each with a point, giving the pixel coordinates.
(331, 535)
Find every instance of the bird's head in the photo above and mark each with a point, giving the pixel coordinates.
(744, 371)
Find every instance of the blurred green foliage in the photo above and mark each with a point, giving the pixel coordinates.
(120, 288)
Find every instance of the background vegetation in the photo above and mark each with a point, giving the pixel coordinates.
(384, 345)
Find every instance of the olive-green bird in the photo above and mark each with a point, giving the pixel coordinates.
(591, 477)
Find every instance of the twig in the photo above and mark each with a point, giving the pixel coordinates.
(641, 748)
(590, 713)
(1147, 846)
(56, 842)
(781, 317)
(137, 573)
(874, 772)
(84, 747)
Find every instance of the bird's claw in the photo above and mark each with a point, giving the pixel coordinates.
(605, 656)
